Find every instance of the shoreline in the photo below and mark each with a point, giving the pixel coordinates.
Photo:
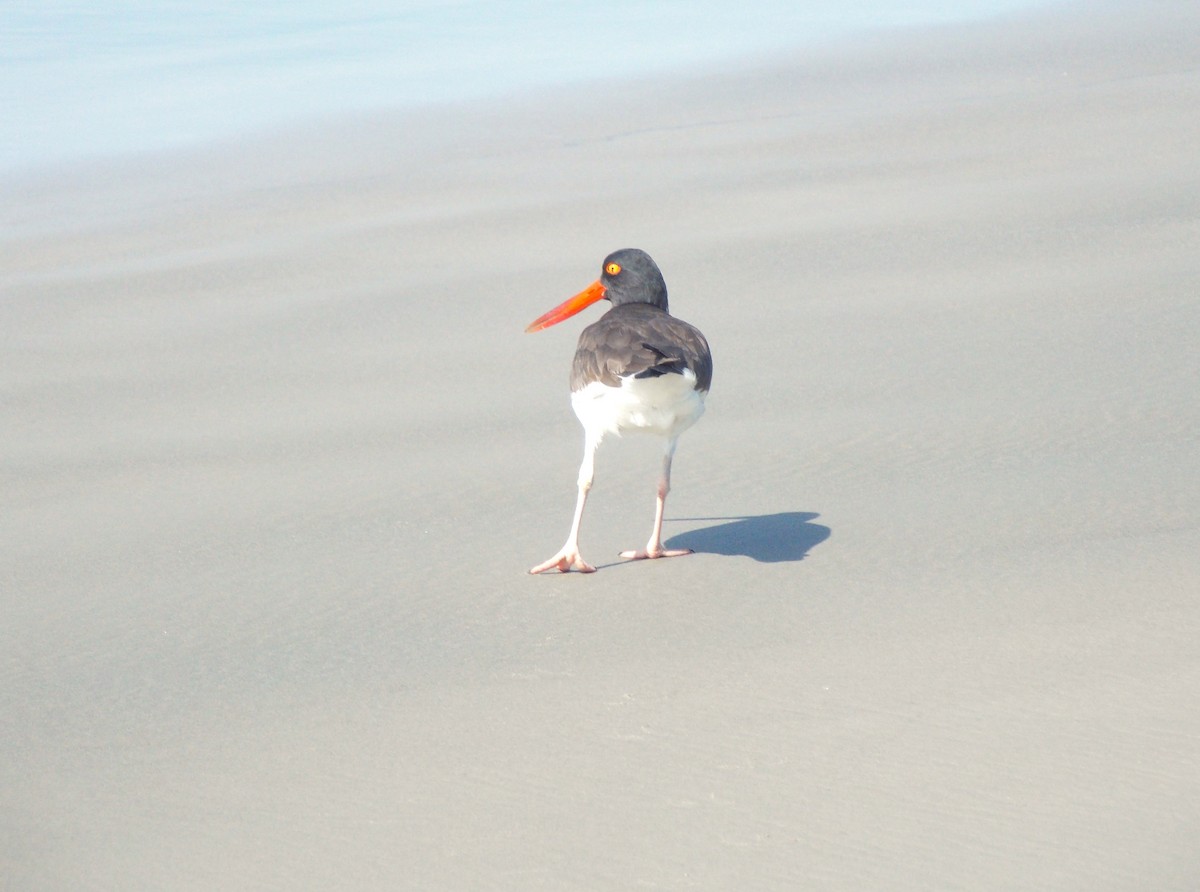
(261, 74)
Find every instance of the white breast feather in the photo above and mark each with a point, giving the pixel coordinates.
(666, 405)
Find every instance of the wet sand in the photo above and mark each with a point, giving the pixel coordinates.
(276, 455)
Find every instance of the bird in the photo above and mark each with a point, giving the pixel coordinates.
(637, 368)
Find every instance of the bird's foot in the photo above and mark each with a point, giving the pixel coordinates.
(650, 553)
(566, 560)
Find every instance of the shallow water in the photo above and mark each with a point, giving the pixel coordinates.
(83, 80)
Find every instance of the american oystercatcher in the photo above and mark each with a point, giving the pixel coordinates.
(636, 369)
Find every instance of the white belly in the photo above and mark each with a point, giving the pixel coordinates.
(666, 405)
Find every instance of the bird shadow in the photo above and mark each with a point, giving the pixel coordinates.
(767, 538)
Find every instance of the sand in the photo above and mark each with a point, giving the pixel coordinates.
(276, 455)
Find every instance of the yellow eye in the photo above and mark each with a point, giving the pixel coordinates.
(612, 269)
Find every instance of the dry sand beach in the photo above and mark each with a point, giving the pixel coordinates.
(276, 455)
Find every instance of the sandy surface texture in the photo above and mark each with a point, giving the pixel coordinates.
(276, 454)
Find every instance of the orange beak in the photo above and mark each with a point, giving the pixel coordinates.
(568, 308)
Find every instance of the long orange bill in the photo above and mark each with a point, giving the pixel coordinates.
(568, 308)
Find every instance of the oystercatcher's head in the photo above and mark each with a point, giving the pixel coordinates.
(628, 276)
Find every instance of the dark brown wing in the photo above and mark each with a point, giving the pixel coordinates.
(643, 341)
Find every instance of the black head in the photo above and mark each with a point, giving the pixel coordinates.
(629, 276)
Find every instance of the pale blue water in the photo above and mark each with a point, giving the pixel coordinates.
(85, 79)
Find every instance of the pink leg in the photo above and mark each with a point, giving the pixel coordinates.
(568, 557)
(654, 548)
